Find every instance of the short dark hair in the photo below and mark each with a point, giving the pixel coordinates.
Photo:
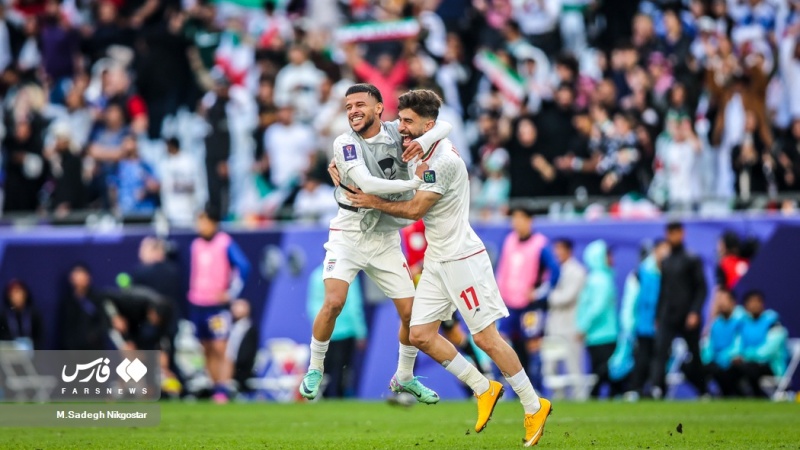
(173, 142)
(674, 226)
(755, 293)
(212, 213)
(424, 102)
(367, 88)
(81, 266)
(728, 292)
(523, 209)
(568, 243)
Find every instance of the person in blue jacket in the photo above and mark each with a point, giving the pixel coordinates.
(643, 311)
(763, 344)
(723, 344)
(596, 313)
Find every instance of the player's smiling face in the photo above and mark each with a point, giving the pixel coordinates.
(412, 125)
(362, 109)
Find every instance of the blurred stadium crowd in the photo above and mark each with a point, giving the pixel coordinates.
(130, 106)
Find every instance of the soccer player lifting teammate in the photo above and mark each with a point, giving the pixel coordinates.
(372, 157)
(458, 273)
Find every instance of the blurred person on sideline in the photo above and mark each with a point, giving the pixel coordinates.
(159, 272)
(723, 344)
(349, 335)
(242, 345)
(596, 314)
(19, 318)
(763, 344)
(84, 324)
(561, 306)
(645, 303)
(526, 272)
(218, 272)
(680, 305)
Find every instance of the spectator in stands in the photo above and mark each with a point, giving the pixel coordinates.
(752, 164)
(561, 306)
(84, 324)
(298, 84)
(348, 336)
(243, 345)
(680, 305)
(315, 202)
(19, 318)
(713, 63)
(678, 178)
(531, 165)
(788, 164)
(723, 343)
(596, 314)
(60, 47)
(76, 114)
(492, 200)
(135, 187)
(180, 186)
(621, 154)
(107, 32)
(290, 147)
(763, 344)
(219, 269)
(66, 168)
(105, 149)
(25, 167)
(387, 75)
(526, 272)
(218, 143)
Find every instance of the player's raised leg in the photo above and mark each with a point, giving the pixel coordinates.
(389, 270)
(335, 296)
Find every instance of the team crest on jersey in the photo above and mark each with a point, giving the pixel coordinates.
(429, 176)
(331, 264)
(350, 152)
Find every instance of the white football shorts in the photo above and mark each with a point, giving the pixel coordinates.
(467, 284)
(377, 254)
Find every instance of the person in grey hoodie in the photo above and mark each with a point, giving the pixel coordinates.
(561, 303)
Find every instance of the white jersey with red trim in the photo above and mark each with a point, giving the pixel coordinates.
(447, 230)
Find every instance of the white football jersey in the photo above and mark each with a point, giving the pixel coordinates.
(447, 230)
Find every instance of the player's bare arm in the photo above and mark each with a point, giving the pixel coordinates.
(413, 209)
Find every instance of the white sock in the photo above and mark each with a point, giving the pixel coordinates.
(524, 389)
(467, 373)
(405, 363)
(318, 350)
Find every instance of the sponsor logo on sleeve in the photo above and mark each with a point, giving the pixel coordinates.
(429, 176)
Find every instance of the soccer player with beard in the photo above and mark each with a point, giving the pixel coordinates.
(458, 273)
(371, 157)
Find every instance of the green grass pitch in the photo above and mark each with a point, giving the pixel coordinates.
(365, 425)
